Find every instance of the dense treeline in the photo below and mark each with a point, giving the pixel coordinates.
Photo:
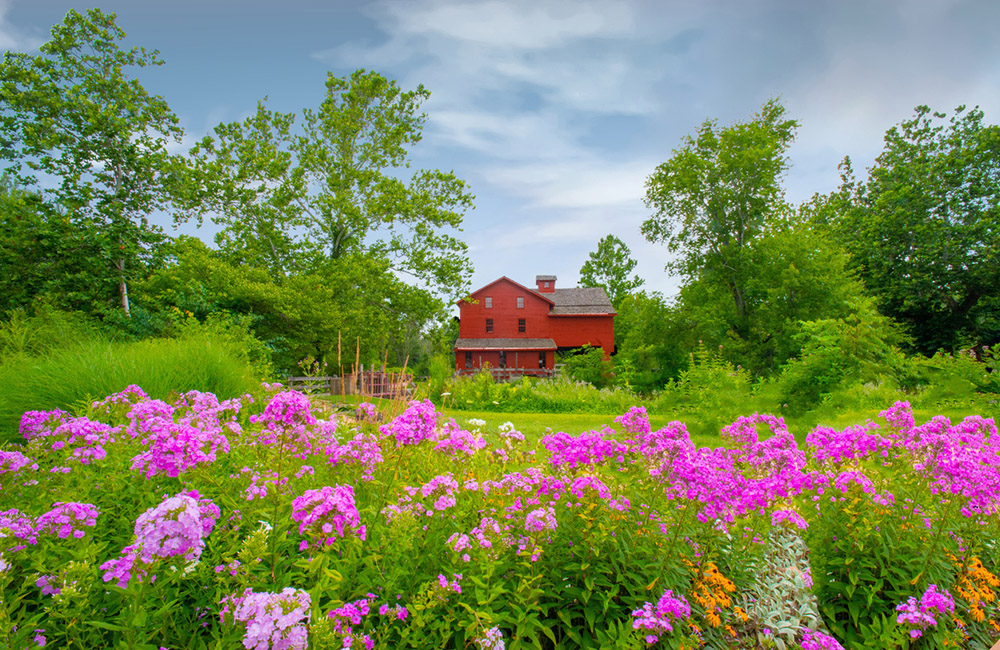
(856, 287)
(320, 220)
(320, 216)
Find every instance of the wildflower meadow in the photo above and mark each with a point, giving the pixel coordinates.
(268, 521)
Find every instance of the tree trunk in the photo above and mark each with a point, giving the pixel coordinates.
(123, 288)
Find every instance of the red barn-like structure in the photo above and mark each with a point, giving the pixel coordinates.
(507, 325)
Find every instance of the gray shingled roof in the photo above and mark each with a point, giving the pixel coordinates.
(545, 278)
(581, 300)
(505, 344)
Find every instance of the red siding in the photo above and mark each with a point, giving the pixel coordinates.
(504, 313)
(577, 331)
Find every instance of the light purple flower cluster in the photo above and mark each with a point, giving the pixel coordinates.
(65, 519)
(127, 397)
(274, 621)
(287, 420)
(658, 619)
(325, 514)
(414, 425)
(540, 519)
(177, 527)
(14, 525)
(827, 445)
(13, 461)
(262, 483)
(446, 585)
(920, 616)
(442, 487)
(635, 421)
(492, 639)
(813, 640)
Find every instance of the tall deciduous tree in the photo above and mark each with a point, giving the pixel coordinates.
(716, 194)
(77, 125)
(333, 183)
(610, 268)
(924, 228)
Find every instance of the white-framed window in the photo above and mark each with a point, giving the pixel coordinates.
(520, 302)
(546, 284)
(489, 302)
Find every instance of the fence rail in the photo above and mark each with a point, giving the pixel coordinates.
(510, 374)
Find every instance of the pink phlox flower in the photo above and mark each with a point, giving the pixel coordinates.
(635, 421)
(658, 619)
(813, 640)
(453, 440)
(492, 639)
(795, 519)
(899, 416)
(414, 425)
(277, 621)
(173, 448)
(589, 448)
(540, 519)
(921, 615)
(40, 423)
(363, 449)
(328, 509)
(67, 518)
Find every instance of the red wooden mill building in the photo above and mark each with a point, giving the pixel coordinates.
(509, 326)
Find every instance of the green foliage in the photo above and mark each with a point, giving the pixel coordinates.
(557, 395)
(291, 197)
(588, 364)
(710, 393)
(922, 229)
(837, 353)
(72, 112)
(46, 256)
(719, 192)
(304, 314)
(608, 268)
(651, 346)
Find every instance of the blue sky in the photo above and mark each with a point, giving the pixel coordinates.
(556, 112)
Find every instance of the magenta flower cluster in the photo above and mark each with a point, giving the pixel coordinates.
(658, 619)
(813, 640)
(66, 519)
(919, 616)
(326, 514)
(414, 425)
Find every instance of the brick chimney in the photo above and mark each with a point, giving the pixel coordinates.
(546, 283)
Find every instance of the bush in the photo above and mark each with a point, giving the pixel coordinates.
(588, 364)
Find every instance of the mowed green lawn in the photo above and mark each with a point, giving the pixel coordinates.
(536, 425)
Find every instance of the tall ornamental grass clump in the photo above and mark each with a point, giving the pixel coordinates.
(194, 522)
(68, 377)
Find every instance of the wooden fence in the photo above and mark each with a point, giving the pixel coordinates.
(511, 374)
(370, 383)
